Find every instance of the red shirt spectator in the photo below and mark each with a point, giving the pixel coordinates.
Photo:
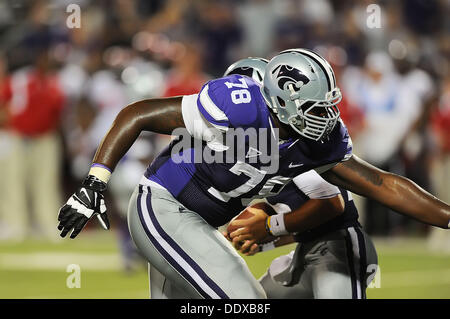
(178, 85)
(441, 126)
(34, 101)
(352, 116)
(187, 75)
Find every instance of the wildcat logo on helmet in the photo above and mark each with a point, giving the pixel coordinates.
(289, 75)
(300, 87)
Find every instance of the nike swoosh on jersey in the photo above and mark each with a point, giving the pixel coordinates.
(292, 165)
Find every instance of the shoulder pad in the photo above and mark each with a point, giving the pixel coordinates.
(233, 101)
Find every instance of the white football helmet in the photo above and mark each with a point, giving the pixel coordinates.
(251, 67)
(300, 87)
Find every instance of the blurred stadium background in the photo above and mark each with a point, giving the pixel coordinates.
(61, 85)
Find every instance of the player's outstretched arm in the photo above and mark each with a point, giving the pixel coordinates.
(394, 191)
(156, 115)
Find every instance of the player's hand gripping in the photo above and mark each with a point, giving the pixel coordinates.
(86, 202)
(251, 230)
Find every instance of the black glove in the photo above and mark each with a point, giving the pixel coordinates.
(86, 202)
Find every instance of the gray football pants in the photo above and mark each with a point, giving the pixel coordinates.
(339, 265)
(188, 258)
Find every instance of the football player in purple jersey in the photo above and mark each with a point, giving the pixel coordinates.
(334, 258)
(175, 209)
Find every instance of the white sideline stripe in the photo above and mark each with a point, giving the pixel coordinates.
(59, 261)
(166, 246)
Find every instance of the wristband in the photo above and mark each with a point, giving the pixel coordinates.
(100, 171)
(267, 224)
(276, 225)
(92, 182)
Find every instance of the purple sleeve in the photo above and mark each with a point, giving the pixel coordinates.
(232, 101)
(346, 142)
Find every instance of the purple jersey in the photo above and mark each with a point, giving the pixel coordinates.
(219, 190)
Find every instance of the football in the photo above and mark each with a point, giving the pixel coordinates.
(245, 214)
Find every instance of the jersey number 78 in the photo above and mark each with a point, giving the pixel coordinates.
(239, 96)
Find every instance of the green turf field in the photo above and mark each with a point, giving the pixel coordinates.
(37, 269)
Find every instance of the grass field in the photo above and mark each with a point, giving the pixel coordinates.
(37, 269)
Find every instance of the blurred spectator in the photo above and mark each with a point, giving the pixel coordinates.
(423, 17)
(170, 19)
(290, 31)
(127, 50)
(34, 101)
(258, 19)
(377, 92)
(351, 114)
(221, 35)
(441, 128)
(3, 80)
(104, 90)
(440, 239)
(187, 76)
(417, 147)
(82, 144)
(121, 186)
(6, 225)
